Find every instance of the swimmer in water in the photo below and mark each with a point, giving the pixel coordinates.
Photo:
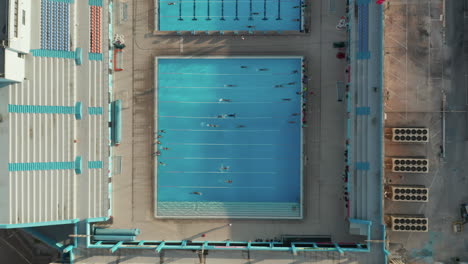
(196, 193)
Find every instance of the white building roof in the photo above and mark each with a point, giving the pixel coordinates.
(43, 138)
(15, 38)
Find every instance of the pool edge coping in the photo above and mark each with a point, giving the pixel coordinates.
(155, 129)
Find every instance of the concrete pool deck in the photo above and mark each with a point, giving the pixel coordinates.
(133, 193)
(324, 212)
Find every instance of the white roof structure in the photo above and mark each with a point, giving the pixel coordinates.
(15, 38)
(19, 25)
(54, 127)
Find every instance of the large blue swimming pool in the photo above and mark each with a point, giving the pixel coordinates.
(249, 15)
(230, 130)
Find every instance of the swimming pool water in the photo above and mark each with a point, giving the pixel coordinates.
(244, 149)
(246, 15)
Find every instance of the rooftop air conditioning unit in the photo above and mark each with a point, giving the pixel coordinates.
(410, 165)
(409, 223)
(410, 135)
(409, 193)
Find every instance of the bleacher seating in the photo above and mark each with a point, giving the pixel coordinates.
(55, 20)
(95, 28)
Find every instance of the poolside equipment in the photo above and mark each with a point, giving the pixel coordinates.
(409, 223)
(116, 122)
(117, 232)
(114, 238)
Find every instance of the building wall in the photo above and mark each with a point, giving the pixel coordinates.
(19, 26)
(14, 66)
(4, 150)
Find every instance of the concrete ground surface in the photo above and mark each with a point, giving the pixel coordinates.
(324, 143)
(425, 86)
(20, 248)
(424, 70)
(133, 189)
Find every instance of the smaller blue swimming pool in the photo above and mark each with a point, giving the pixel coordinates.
(229, 15)
(229, 137)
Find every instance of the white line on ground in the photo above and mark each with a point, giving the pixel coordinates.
(207, 144)
(237, 130)
(223, 158)
(213, 187)
(224, 172)
(214, 117)
(180, 102)
(398, 42)
(210, 74)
